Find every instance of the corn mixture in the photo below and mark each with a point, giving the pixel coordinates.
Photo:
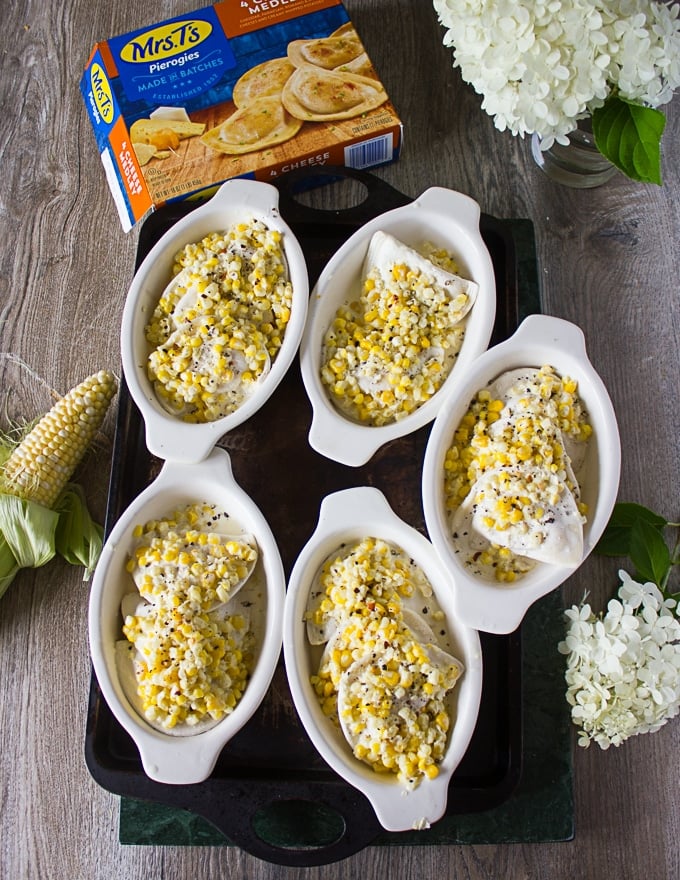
(191, 659)
(379, 680)
(221, 322)
(510, 455)
(390, 351)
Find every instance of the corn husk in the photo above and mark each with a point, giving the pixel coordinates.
(8, 565)
(29, 529)
(79, 538)
(27, 537)
(32, 533)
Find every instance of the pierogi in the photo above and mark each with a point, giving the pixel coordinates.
(318, 95)
(263, 123)
(328, 52)
(263, 81)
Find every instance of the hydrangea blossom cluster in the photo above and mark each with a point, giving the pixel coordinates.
(542, 66)
(623, 667)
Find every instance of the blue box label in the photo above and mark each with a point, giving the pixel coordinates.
(99, 97)
(174, 61)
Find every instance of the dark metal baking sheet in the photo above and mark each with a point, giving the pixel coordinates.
(271, 762)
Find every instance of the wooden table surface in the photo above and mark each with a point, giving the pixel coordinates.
(609, 260)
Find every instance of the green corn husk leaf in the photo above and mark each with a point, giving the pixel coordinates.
(8, 565)
(79, 539)
(29, 530)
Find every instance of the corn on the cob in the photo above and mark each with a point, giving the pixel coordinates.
(41, 513)
(41, 465)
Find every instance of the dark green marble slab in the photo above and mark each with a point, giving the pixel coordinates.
(541, 808)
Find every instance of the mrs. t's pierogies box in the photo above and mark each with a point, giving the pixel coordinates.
(238, 89)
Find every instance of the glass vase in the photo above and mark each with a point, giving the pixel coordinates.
(579, 164)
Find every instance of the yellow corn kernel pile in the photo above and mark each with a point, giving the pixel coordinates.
(371, 572)
(375, 678)
(395, 731)
(184, 556)
(189, 668)
(191, 660)
(221, 322)
(389, 352)
(533, 429)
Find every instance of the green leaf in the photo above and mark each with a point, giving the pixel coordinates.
(629, 135)
(649, 552)
(615, 540)
(78, 538)
(629, 512)
(28, 529)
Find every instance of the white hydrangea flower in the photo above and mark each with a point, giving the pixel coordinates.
(623, 666)
(542, 66)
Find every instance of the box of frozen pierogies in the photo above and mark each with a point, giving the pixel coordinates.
(241, 88)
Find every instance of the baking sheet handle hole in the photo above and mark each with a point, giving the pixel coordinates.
(298, 824)
(337, 193)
